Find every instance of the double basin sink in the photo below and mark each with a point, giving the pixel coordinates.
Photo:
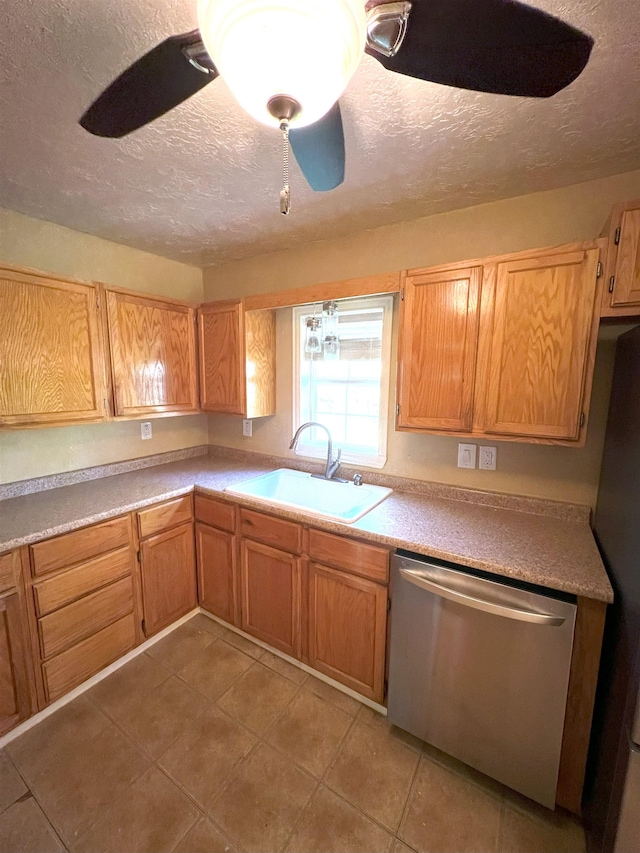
(297, 490)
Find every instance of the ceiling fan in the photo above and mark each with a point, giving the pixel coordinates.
(288, 61)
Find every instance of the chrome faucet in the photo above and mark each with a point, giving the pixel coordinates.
(332, 464)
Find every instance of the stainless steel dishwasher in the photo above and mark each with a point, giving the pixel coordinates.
(479, 668)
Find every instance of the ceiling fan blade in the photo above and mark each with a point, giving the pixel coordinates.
(153, 85)
(319, 150)
(499, 46)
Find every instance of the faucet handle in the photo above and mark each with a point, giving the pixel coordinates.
(357, 479)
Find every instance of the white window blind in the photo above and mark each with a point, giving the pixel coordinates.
(348, 395)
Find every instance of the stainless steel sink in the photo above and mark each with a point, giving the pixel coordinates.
(298, 490)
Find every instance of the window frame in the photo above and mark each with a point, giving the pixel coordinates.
(312, 451)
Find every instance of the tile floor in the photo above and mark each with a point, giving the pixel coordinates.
(208, 743)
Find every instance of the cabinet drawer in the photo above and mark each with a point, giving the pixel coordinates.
(52, 593)
(76, 621)
(216, 513)
(285, 535)
(163, 516)
(355, 557)
(67, 670)
(71, 548)
(7, 579)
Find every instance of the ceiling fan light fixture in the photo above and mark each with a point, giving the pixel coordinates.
(304, 49)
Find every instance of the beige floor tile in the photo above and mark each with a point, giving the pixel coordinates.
(156, 720)
(243, 645)
(202, 760)
(329, 825)
(263, 801)
(180, 646)
(150, 816)
(215, 669)
(374, 771)
(138, 678)
(330, 694)
(62, 733)
(24, 829)
(283, 667)
(12, 786)
(204, 623)
(370, 717)
(204, 837)
(550, 833)
(448, 813)
(310, 731)
(257, 697)
(400, 847)
(78, 784)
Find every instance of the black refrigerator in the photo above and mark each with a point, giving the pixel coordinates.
(612, 801)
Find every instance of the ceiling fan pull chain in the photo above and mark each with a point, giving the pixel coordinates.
(285, 193)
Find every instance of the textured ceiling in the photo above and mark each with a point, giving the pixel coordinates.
(201, 184)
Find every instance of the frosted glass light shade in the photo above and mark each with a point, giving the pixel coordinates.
(307, 49)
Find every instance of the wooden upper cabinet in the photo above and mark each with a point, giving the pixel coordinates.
(437, 350)
(542, 334)
(237, 359)
(153, 354)
(622, 294)
(51, 356)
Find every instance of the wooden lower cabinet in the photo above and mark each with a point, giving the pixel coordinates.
(167, 563)
(216, 571)
(15, 696)
(347, 629)
(270, 582)
(73, 666)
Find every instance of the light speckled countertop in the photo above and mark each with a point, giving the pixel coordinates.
(540, 549)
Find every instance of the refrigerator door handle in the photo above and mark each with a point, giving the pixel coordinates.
(421, 579)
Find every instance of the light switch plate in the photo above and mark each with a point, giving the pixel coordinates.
(488, 458)
(247, 427)
(145, 430)
(467, 455)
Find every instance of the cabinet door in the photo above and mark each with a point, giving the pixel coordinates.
(216, 571)
(50, 351)
(543, 332)
(15, 702)
(270, 583)
(437, 352)
(221, 352)
(168, 577)
(153, 355)
(626, 290)
(347, 629)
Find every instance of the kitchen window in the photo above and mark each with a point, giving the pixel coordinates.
(342, 354)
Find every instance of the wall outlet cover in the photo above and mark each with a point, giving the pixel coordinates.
(145, 430)
(488, 458)
(247, 427)
(467, 455)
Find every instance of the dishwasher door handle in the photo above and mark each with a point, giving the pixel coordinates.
(421, 579)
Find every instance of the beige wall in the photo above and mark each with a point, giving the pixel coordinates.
(573, 213)
(51, 248)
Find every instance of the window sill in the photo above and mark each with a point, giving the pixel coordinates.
(353, 460)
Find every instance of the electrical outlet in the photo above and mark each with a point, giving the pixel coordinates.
(488, 458)
(145, 430)
(467, 455)
(247, 427)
